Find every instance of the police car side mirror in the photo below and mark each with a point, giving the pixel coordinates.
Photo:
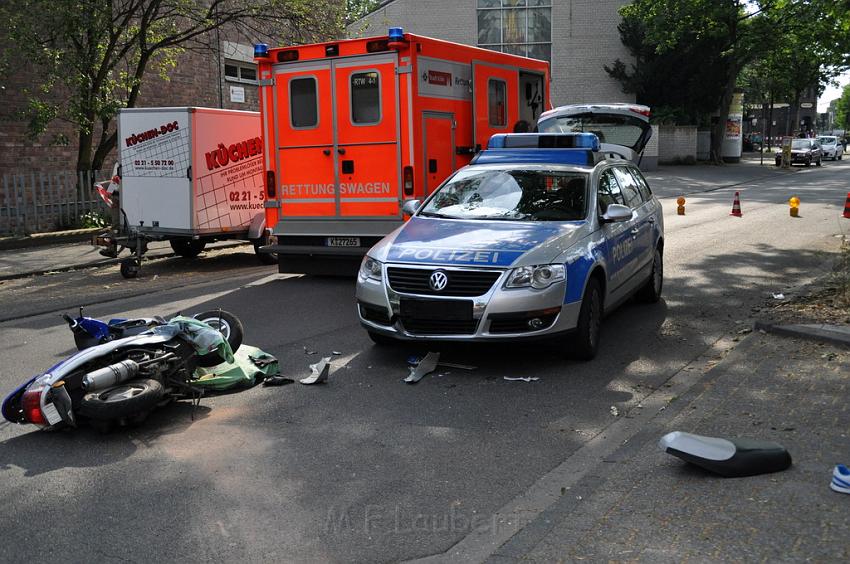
(617, 213)
(409, 207)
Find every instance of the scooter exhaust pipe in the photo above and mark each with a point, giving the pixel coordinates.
(110, 375)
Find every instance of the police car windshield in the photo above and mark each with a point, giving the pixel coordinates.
(516, 195)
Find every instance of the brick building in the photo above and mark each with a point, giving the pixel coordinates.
(578, 37)
(218, 78)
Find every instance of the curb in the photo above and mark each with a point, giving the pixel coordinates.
(107, 262)
(832, 334)
(46, 239)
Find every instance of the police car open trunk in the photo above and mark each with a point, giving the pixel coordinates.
(356, 127)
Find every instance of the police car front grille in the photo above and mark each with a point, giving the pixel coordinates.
(461, 283)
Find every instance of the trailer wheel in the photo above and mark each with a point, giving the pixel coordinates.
(187, 248)
(130, 267)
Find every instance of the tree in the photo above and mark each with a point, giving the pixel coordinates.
(91, 56)
(740, 31)
(842, 111)
(356, 9)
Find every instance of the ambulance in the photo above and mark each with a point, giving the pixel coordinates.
(353, 128)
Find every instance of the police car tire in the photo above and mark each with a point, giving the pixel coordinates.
(380, 340)
(648, 293)
(586, 339)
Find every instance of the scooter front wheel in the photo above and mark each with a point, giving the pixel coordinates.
(225, 323)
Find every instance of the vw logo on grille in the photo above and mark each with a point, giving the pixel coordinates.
(438, 280)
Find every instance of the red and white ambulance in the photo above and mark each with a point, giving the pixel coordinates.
(355, 127)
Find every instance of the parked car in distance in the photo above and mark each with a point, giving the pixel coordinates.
(832, 147)
(803, 151)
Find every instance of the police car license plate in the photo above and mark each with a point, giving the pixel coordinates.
(343, 241)
(454, 310)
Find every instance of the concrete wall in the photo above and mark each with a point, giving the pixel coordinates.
(676, 143)
(584, 38)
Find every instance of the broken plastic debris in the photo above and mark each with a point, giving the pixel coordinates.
(423, 367)
(779, 296)
(308, 351)
(458, 366)
(320, 372)
(522, 379)
(337, 353)
(614, 411)
(277, 381)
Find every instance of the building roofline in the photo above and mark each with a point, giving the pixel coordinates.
(381, 4)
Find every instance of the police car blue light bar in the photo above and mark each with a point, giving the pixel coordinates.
(261, 50)
(544, 141)
(541, 148)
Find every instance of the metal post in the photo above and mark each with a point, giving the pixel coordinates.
(34, 202)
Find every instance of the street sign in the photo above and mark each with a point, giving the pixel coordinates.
(806, 105)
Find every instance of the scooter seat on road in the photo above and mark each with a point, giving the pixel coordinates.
(727, 457)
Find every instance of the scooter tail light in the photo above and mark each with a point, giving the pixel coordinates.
(31, 404)
(408, 180)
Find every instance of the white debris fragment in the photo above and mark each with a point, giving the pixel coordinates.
(614, 411)
(319, 372)
(337, 353)
(779, 296)
(425, 366)
(522, 379)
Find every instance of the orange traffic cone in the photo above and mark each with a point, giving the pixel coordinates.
(847, 206)
(736, 206)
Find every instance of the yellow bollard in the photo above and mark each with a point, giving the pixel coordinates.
(794, 202)
(681, 209)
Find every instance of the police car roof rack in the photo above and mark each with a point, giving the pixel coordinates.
(542, 148)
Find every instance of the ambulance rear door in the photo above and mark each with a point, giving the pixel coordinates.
(495, 100)
(338, 126)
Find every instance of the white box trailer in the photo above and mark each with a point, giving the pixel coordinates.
(190, 176)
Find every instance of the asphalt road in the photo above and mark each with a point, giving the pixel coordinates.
(367, 468)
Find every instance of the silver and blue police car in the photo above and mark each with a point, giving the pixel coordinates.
(539, 236)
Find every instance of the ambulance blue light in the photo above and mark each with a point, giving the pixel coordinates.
(396, 34)
(261, 50)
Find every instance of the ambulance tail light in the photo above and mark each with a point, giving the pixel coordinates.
(407, 178)
(271, 191)
(287, 56)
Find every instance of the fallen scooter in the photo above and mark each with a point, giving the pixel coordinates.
(122, 378)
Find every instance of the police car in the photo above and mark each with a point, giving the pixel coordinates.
(539, 236)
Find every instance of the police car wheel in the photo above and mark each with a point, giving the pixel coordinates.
(651, 291)
(380, 340)
(586, 340)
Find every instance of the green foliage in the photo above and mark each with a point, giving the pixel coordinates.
(94, 219)
(842, 113)
(92, 56)
(691, 54)
(356, 9)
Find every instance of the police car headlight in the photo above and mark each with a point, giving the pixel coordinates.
(371, 268)
(539, 276)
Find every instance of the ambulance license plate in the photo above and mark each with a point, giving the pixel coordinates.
(342, 241)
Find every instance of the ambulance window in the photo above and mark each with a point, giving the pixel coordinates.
(303, 103)
(365, 98)
(496, 99)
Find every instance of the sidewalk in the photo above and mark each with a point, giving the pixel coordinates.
(640, 504)
(18, 263)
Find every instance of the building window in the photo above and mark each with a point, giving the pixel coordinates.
(365, 98)
(235, 71)
(496, 99)
(303, 103)
(519, 27)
